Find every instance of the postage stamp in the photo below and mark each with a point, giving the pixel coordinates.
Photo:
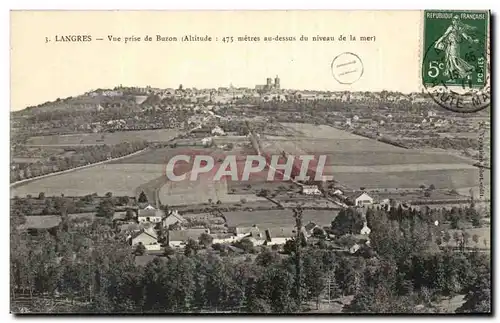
(455, 67)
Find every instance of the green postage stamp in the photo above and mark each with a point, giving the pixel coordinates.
(455, 44)
(455, 66)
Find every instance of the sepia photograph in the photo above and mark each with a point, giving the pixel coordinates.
(250, 162)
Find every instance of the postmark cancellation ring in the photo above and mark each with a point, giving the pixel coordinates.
(347, 68)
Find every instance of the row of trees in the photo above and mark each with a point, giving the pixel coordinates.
(82, 156)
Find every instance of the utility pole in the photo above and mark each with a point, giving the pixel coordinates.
(297, 214)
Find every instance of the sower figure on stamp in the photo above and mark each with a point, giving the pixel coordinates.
(450, 41)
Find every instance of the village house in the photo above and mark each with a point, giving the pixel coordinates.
(311, 190)
(360, 199)
(279, 236)
(173, 219)
(150, 214)
(146, 237)
(241, 232)
(365, 230)
(178, 238)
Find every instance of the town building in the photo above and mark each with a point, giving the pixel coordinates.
(269, 86)
(311, 190)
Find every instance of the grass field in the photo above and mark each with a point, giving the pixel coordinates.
(278, 218)
(484, 235)
(111, 138)
(200, 191)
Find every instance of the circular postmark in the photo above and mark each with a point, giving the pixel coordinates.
(347, 68)
(456, 74)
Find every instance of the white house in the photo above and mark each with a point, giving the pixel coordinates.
(145, 237)
(217, 131)
(311, 190)
(365, 230)
(150, 214)
(337, 192)
(360, 199)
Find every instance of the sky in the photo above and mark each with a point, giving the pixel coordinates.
(43, 71)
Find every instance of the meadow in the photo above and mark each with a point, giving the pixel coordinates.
(278, 218)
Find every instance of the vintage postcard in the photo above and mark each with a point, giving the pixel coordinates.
(250, 162)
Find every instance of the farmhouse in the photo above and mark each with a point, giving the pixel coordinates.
(241, 232)
(281, 235)
(311, 190)
(147, 237)
(360, 198)
(178, 238)
(150, 214)
(173, 218)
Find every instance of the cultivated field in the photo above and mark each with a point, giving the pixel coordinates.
(320, 131)
(110, 138)
(448, 179)
(356, 161)
(120, 179)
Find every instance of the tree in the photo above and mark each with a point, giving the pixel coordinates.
(143, 198)
(475, 238)
(41, 196)
(478, 298)
(263, 193)
(432, 187)
(108, 195)
(205, 239)
(456, 237)
(267, 258)
(348, 221)
(123, 200)
(129, 214)
(168, 251)
(245, 244)
(191, 247)
(314, 276)
(465, 238)
(140, 249)
(106, 209)
(446, 237)
(319, 233)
